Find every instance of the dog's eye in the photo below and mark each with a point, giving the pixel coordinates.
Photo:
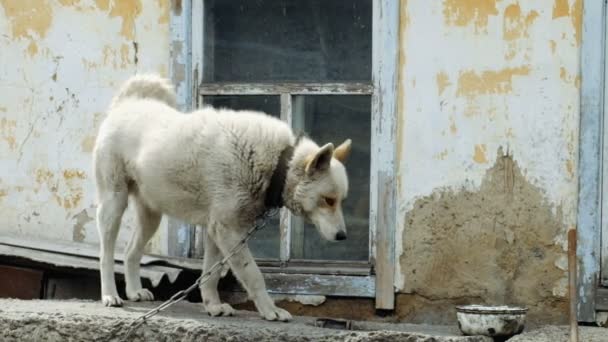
(329, 201)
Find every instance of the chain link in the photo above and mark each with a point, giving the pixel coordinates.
(260, 223)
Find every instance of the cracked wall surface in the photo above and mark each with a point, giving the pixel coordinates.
(61, 62)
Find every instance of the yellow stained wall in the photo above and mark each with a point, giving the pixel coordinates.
(60, 62)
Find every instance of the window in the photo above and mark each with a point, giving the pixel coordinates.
(327, 68)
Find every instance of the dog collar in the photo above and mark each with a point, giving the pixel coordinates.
(274, 193)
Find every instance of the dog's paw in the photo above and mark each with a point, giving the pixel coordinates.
(220, 310)
(111, 300)
(276, 314)
(141, 295)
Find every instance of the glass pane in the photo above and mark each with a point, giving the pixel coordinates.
(287, 40)
(335, 119)
(270, 105)
(264, 243)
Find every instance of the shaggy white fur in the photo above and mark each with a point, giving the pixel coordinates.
(212, 168)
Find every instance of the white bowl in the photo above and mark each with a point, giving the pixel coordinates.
(491, 320)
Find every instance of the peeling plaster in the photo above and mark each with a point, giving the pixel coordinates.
(471, 83)
(29, 18)
(494, 244)
(54, 98)
(466, 12)
(489, 74)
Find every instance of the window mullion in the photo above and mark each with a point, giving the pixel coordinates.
(286, 217)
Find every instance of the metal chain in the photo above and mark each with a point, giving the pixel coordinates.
(181, 295)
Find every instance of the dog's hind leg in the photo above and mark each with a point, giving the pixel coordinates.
(209, 293)
(147, 224)
(109, 215)
(246, 271)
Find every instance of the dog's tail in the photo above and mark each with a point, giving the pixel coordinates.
(146, 86)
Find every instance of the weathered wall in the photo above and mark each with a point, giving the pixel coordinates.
(487, 148)
(487, 151)
(60, 63)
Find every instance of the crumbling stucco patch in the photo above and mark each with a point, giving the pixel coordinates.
(493, 245)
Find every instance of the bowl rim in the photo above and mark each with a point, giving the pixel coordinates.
(491, 309)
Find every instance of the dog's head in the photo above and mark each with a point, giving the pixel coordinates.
(320, 186)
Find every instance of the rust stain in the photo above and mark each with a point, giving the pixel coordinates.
(480, 154)
(164, 11)
(516, 25)
(7, 132)
(3, 194)
(553, 46)
(488, 82)
(443, 82)
(561, 8)
(465, 12)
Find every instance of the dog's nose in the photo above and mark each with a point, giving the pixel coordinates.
(341, 235)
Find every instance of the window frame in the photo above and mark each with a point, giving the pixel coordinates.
(373, 278)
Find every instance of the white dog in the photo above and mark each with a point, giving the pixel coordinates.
(217, 168)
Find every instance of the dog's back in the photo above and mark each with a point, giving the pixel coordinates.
(186, 165)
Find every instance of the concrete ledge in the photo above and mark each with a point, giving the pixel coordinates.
(38, 320)
(553, 333)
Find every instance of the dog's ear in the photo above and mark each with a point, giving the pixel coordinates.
(343, 151)
(320, 160)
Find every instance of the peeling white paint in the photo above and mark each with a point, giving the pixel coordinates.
(56, 97)
(451, 131)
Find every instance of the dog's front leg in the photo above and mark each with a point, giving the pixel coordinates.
(247, 272)
(209, 292)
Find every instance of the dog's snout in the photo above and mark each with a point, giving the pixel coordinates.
(341, 235)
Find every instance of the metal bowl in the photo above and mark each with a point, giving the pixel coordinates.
(493, 321)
